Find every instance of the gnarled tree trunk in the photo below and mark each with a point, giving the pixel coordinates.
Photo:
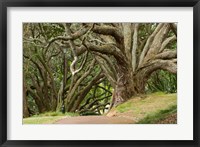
(133, 64)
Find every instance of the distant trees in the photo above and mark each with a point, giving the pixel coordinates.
(162, 81)
(102, 60)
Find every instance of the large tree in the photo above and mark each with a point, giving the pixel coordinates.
(126, 54)
(129, 53)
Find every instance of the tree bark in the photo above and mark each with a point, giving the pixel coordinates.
(25, 103)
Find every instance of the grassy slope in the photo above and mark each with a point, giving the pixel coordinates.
(161, 116)
(148, 108)
(47, 118)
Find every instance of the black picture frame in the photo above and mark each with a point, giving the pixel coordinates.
(4, 4)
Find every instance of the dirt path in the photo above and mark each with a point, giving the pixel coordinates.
(94, 120)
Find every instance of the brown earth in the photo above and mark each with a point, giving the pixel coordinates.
(95, 120)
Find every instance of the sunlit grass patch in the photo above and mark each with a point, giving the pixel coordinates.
(148, 103)
(47, 117)
(56, 114)
(158, 116)
(42, 119)
(142, 106)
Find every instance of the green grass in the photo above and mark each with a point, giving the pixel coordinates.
(149, 102)
(42, 119)
(47, 118)
(56, 114)
(151, 105)
(159, 115)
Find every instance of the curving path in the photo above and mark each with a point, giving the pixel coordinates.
(95, 120)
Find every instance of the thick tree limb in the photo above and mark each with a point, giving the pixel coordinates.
(134, 46)
(73, 36)
(169, 65)
(73, 48)
(109, 64)
(158, 40)
(80, 50)
(174, 28)
(167, 55)
(108, 49)
(148, 43)
(109, 30)
(127, 30)
(166, 42)
(112, 78)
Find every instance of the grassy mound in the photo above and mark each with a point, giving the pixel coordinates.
(162, 116)
(148, 109)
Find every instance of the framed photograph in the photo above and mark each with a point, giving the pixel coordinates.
(99, 73)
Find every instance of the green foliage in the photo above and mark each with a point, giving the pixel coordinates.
(32, 106)
(52, 29)
(146, 29)
(159, 115)
(162, 81)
